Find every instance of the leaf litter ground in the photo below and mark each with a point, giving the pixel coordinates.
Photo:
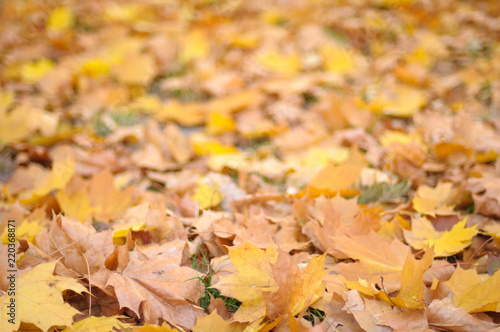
(234, 165)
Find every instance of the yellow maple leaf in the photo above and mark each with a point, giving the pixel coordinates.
(126, 13)
(94, 67)
(362, 286)
(98, 324)
(186, 114)
(28, 228)
(214, 322)
(6, 99)
(316, 156)
(399, 100)
(412, 281)
(219, 124)
(432, 201)
(207, 195)
(33, 71)
(76, 205)
(203, 145)
(39, 299)
(60, 20)
(63, 168)
(448, 243)
(254, 275)
(286, 64)
(337, 59)
(298, 288)
(99, 198)
(390, 137)
(473, 293)
(195, 46)
(154, 328)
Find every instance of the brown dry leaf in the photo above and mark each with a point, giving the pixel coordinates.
(365, 311)
(186, 130)
(442, 314)
(400, 319)
(339, 217)
(81, 248)
(486, 193)
(155, 289)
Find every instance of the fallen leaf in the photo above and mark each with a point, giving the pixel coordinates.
(253, 276)
(154, 290)
(98, 324)
(60, 20)
(39, 299)
(473, 293)
(431, 201)
(285, 64)
(377, 257)
(214, 322)
(337, 179)
(298, 289)
(442, 314)
(423, 234)
(412, 281)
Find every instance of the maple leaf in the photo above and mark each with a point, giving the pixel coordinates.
(442, 314)
(377, 257)
(473, 293)
(136, 69)
(39, 299)
(365, 311)
(214, 322)
(101, 199)
(34, 71)
(446, 243)
(207, 195)
(286, 64)
(62, 170)
(155, 289)
(28, 228)
(337, 59)
(98, 324)
(337, 179)
(60, 20)
(298, 289)
(433, 201)
(81, 248)
(412, 282)
(154, 328)
(195, 46)
(253, 276)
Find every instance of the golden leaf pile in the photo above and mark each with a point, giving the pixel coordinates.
(226, 165)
